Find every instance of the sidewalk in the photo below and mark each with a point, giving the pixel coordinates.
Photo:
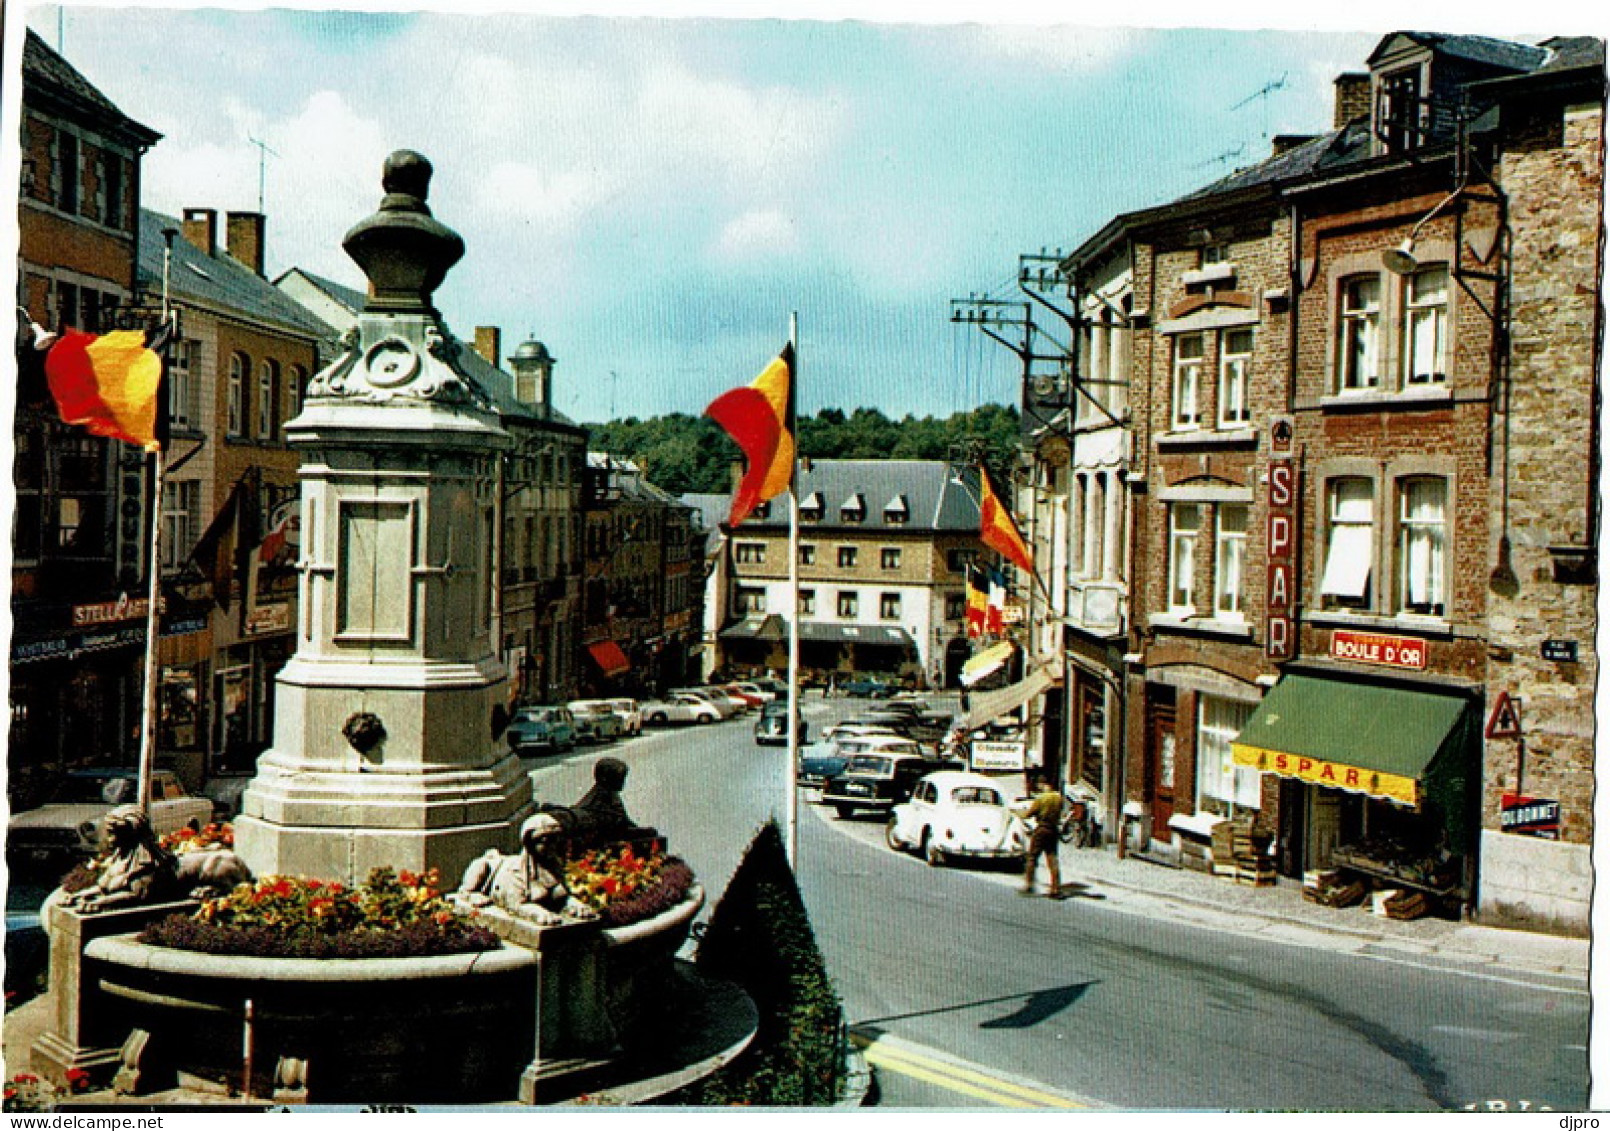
(1202, 896)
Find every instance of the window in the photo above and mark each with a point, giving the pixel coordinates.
(183, 411)
(807, 554)
(1422, 549)
(847, 556)
(236, 424)
(1214, 253)
(1349, 544)
(1425, 327)
(854, 509)
(268, 379)
(889, 606)
(1359, 348)
(1235, 358)
(751, 553)
(750, 599)
(181, 521)
(1220, 783)
(890, 557)
(811, 509)
(1189, 350)
(294, 391)
(1184, 520)
(1229, 561)
(807, 602)
(896, 512)
(849, 604)
(68, 173)
(1397, 112)
(955, 606)
(112, 192)
(958, 561)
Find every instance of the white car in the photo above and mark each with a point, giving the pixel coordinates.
(848, 730)
(631, 715)
(954, 813)
(69, 826)
(605, 724)
(725, 705)
(679, 709)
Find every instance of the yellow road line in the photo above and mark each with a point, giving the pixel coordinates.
(955, 1077)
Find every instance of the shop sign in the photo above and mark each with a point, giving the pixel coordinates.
(998, 755)
(1280, 536)
(1337, 775)
(1560, 651)
(1372, 648)
(184, 626)
(269, 618)
(1529, 816)
(110, 612)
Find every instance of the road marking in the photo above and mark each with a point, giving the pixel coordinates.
(935, 1068)
(1464, 972)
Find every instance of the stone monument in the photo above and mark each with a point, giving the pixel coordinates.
(388, 745)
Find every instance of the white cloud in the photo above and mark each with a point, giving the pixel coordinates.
(1059, 45)
(761, 234)
(525, 192)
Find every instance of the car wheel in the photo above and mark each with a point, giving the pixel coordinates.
(657, 719)
(931, 851)
(843, 811)
(890, 839)
(703, 719)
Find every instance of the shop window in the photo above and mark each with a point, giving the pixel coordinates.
(849, 604)
(1425, 327)
(1358, 349)
(1422, 547)
(1229, 561)
(889, 606)
(1189, 353)
(847, 556)
(750, 599)
(751, 553)
(1349, 544)
(1184, 521)
(890, 557)
(1222, 786)
(235, 424)
(1235, 362)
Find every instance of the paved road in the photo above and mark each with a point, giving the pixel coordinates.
(968, 995)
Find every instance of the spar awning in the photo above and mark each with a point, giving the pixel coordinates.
(1364, 738)
(991, 705)
(987, 662)
(608, 656)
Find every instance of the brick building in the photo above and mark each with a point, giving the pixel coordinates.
(80, 531)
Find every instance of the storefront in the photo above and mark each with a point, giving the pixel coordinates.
(1376, 778)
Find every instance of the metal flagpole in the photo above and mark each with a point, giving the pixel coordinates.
(793, 604)
(153, 615)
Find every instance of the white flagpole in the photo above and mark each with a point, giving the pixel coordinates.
(153, 615)
(793, 605)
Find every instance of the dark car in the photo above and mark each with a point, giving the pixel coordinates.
(542, 728)
(867, 688)
(771, 728)
(876, 783)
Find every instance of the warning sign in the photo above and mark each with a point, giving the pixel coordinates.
(1505, 721)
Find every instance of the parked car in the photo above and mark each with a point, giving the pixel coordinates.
(867, 687)
(68, 826)
(631, 714)
(764, 694)
(750, 699)
(679, 709)
(877, 781)
(724, 705)
(955, 813)
(821, 765)
(596, 721)
(771, 728)
(542, 728)
(766, 683)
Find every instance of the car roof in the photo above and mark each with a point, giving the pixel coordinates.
(950, 779)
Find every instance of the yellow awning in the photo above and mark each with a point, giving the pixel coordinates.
(990, 660)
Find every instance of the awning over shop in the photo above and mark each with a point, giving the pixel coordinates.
(766, 627)
(991, 705)
(608, 656)
(987, 662)
(877, 634)
(1359, 737)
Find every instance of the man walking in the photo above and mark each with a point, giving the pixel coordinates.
(1044, 815)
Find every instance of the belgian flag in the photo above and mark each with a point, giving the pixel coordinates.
(760, 419)
(111, 384)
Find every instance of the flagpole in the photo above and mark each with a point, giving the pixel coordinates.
(793, 604)
(153, 615)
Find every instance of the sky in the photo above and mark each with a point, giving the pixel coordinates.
(653, 197)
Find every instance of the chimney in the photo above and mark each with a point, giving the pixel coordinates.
(1352, 98)
(201, 230)
(245, 234)
(1285, 143)
(489, 343)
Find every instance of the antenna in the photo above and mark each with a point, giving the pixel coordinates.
(263, 154)
(1262, 95)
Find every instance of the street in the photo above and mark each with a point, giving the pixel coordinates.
(966, 994)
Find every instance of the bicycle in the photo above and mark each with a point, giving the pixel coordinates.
(1079, 826)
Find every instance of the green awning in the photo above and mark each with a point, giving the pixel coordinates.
(1360, 737)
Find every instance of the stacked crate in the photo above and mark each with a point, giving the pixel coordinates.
(1240, 851)
(1330, 887)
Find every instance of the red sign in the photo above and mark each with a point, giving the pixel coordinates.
(1280, 536)
(1530, 816)
(1371, 648)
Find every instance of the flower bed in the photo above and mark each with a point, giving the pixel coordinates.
(627, 886)
(389, 915)
(181, 841)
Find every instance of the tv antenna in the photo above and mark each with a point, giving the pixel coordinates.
(263, 154)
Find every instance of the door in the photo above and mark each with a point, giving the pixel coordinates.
(1324, 826)
(1161, 747)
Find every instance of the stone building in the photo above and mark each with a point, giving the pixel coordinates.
(81, 524)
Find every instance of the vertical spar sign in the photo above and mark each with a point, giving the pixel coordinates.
(1280, 536)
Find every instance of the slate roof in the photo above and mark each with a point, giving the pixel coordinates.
(43, 67)
(219, 281)
(1475, 48)
(935, 502)
(348, 297)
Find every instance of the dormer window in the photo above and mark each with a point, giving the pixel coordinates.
(1398, 116)
(811, 509)
(853, 509)
(896, 512)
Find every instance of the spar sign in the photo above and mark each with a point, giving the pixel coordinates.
(1280, 536)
